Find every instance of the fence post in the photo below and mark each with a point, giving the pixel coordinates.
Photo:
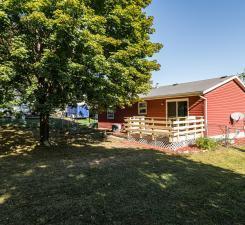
(226, 135)
(204, 126)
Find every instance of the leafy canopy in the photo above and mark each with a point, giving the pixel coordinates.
(54, 52)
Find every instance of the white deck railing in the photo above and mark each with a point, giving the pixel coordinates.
(176, 129)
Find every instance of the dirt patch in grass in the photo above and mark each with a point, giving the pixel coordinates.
(84, 179)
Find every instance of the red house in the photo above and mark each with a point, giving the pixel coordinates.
(219, 101)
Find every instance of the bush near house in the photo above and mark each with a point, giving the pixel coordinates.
(206, 143)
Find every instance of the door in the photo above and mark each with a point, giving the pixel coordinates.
(177, 108)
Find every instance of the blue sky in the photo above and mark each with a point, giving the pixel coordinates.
(202, 38)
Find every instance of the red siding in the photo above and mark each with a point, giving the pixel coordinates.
(155, 108)
(118, 116)
(223, 101)
(196, 106)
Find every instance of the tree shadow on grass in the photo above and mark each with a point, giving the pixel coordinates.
(96, 184)
(15, 139)
(238, 148)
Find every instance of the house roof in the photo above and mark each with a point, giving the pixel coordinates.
(196, 87)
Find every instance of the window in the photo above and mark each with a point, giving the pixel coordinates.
(177, 108)
(142, 108)
(182, 109)
(172, 109)
(110, 114)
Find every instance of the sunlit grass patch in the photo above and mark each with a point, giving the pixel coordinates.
(84, 179)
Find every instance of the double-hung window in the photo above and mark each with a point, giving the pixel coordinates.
(142, 108)
(110, 114)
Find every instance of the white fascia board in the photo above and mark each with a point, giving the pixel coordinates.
(224, 82)
(240, 81)
(172, 96)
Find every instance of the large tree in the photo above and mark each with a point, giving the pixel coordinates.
(54, 52)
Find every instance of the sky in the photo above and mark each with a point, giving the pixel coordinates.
(202, 39)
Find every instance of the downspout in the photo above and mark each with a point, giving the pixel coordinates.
(205, 113)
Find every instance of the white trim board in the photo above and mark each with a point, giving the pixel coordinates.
(224, 82)
(178, 95)
(197, 93)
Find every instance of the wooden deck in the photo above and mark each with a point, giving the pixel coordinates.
(175, 129)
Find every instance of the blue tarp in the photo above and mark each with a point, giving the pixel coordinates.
(79, 111)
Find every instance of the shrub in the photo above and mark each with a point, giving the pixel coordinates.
(93, 125)
(18, 115)
(1, 114)
(206, 143)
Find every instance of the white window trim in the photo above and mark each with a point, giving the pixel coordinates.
(110, 112)
(177, 100)
(142, 108)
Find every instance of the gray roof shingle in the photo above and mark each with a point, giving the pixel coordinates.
(195, 87)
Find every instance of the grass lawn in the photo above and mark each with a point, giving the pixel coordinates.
(54, 122)
(83, 179)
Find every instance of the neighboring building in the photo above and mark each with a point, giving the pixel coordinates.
(81, 110)
(215, 99)
(24, 108)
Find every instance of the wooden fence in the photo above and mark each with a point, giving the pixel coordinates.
(176, 129)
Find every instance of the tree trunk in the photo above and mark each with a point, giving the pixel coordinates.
(44, 129)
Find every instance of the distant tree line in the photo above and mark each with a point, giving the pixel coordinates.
(242, 76)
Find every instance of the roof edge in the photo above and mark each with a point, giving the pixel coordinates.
(224, 82)
(197, 93)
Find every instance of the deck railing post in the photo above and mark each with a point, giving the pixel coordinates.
(178, 130)
(140, 127)
(186, 124)
(152, 126)
(128, 126)
(152, 135)
(195, 130)
(171, 131)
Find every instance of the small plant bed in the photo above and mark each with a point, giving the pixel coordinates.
(206, 143)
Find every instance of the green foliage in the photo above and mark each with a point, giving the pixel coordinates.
(206, 143)
(2, 114)
(242, 76)
(57, 52)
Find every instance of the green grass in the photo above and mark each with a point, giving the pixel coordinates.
(86, 121)
(83, 179)
(55, 123)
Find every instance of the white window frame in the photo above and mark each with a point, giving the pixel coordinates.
(110, 114)
(140, 108)
(177, 100)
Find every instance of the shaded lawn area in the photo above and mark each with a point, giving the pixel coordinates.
(55, 123)
(85, 180)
